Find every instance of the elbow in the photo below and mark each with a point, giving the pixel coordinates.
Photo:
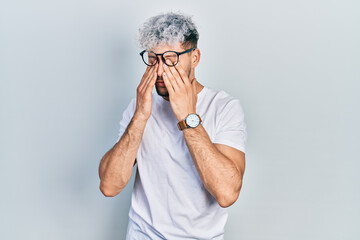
(109, 191)
(229, 198)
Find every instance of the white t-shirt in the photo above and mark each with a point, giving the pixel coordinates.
(169, 200)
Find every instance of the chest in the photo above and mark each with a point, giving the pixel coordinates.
(162, 140)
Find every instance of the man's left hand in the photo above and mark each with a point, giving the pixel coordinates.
(182, 91)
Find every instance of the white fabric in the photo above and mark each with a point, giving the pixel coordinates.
(169, 200)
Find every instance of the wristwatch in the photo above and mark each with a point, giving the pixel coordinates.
(191, 121)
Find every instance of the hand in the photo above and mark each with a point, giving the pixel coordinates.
(144, 93)
(182, 92)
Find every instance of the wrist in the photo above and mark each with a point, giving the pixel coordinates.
(192, 120)
(139, 119)
(183, 116)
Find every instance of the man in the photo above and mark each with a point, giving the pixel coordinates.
(188, 141)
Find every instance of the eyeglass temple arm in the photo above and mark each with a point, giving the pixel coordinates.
(189, 50)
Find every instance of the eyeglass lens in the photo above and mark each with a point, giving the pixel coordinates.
(150, 58)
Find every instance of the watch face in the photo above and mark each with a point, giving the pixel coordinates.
(192, 120)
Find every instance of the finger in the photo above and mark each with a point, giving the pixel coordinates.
(174, 82)
(150, 84)
(151, 80)
(168, 84)
(147, 71)
(148, 78)
(176, 75)
(144, 77)
(183, 74)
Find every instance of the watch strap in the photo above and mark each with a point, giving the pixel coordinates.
(182, 125)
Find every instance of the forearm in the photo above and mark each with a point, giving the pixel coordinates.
(116, 166)
(218, 173)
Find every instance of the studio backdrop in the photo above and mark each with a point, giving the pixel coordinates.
(68, 69)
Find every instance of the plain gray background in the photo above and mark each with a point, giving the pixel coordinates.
(69, 68)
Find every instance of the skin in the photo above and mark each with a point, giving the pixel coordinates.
(220, 167)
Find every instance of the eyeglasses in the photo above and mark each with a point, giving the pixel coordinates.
(150, 58)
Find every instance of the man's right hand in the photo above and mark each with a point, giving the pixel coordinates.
(144, 93)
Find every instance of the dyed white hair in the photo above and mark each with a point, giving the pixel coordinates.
(167, 28)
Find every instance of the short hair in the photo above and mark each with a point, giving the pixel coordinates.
(168, 28)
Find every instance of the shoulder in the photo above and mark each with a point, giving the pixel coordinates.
(222, 101)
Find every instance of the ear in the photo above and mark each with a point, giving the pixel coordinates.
(195, 58)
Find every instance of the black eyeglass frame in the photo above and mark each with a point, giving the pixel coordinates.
(162, 56)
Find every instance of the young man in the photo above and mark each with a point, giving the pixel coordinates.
(188, 141)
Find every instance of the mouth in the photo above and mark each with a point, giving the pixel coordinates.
(160, 83)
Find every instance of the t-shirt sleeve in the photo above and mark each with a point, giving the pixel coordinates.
(231, 127)
(126, 118)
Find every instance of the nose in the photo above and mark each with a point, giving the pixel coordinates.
(160, 69)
